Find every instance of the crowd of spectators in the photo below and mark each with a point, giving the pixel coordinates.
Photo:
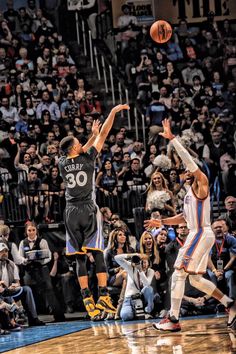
(44, 97)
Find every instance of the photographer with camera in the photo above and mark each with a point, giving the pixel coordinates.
(139, 294)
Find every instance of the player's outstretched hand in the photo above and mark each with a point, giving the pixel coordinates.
(120, 107)
(96, 127)
(152, 223)
(167, 133)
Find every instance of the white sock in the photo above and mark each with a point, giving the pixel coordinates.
(177, 291)
(175, 307)
(225, 300)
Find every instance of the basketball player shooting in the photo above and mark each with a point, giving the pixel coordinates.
(81, 217)
(192, 258)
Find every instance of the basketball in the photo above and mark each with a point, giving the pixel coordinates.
(161, 31)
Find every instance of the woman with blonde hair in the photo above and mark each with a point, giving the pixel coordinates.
(148, 246)
(159, 197)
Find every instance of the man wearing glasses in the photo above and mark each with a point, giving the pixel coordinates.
(230, 215)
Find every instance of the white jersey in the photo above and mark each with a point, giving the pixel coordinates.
(196, 211)
(193, 256)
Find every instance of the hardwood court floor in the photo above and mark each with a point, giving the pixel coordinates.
(202, 335)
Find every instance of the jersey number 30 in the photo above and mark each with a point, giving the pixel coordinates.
(80, 179)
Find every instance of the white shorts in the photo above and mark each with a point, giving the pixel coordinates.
(193, 256)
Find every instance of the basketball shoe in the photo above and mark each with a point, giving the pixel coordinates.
(104, 303)
(168, 323)
(93, 312)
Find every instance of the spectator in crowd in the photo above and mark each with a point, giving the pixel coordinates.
(172, 50)
(127, 25)
(50, 137)
(54, 189)
(9, 113)
(48, 104)
(36, 271)
(212, 153)
(9, 144)
(137, 152)
(222, 258)
(69, 106)
(13, 252)
(190, 71)
(149, 247)
(106, 183)
(44, 63)
(229, 215)
(159, 197)
(118, 244)
(90, 106)
(22, 126)
(155, 114)
(24, 60)
(120, 145)
(10, 286)
(134, 184)
(106, 223)
(30, 194)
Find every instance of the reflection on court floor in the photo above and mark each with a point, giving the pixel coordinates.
(199, 335)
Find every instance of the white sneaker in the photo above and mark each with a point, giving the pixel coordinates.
(167, 325)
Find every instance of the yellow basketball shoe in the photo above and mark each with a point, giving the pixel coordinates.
(104, 303)
(93, 312)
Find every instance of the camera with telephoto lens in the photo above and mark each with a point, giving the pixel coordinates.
(138, 306)
(136, 260)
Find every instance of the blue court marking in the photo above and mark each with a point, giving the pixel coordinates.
(34, 335)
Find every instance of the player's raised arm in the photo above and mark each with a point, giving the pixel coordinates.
(95, 132)
(184, 154)
(107, 125)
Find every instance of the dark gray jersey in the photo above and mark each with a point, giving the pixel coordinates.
(77, 174)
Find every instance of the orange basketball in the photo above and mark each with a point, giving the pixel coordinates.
(161, 31)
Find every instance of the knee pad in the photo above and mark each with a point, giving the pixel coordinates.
(99, 261)
(81, 268)
(202, 284)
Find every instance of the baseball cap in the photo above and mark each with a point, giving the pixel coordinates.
(3, 246)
